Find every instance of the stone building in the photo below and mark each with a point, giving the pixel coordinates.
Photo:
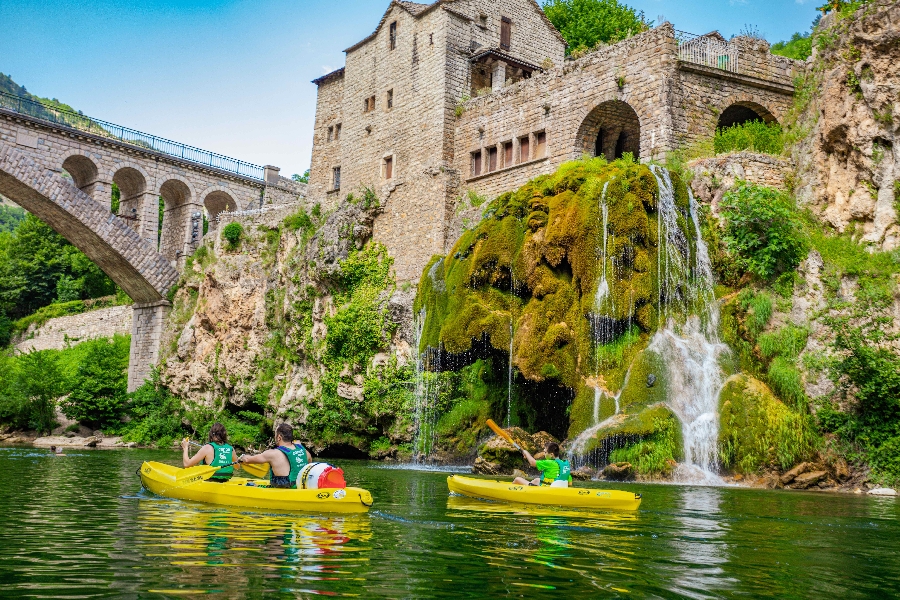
(476, 95)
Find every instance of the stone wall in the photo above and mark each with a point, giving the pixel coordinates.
(147, 327)
(58, 333)
(715, 176)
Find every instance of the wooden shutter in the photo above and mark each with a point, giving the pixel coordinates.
(505, 33)
(388, 167)
(476, 164)
(523, 149)
(492, 159)
(507, 154)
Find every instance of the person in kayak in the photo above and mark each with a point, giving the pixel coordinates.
(286, 460)
(554, 472)
(216, 453)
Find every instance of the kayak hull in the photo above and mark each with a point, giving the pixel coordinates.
(506, 491)
(159, 478)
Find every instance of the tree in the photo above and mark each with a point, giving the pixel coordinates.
(301, 178)
(100, 385)
(586, 23)
(32, 384)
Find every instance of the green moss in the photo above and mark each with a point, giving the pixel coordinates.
(656, 454)
(759, 431)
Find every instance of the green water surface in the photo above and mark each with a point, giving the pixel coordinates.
(80, 527)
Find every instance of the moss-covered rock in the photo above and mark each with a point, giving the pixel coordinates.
(532, 268)
(758, 431)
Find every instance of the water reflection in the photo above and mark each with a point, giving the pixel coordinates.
(700, 547)
(274, 552)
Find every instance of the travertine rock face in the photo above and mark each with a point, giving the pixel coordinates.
(849, 166)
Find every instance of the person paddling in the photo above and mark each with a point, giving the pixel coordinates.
(554, 472)
(217, 452)
(287, 459)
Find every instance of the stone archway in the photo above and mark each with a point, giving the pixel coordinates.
(216, 202)
(178, 204)
(611, 129)
(742, 112)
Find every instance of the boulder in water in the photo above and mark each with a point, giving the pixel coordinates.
(794, 473)
(883, 492)
(483, 467)
(622, 471)
(804, 481)
(584, 473)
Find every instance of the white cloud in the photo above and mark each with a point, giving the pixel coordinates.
(326, 69)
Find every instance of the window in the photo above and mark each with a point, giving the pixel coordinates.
(394, 35)
(492, 159)
(369, 104)
(482, 21)
(388, 167)
(540, 144)
(476, 163)
(524, 144)
(330, 134)
(431, 39)
(507, 154)
(390, 99)
(336, 174)
(337, 132)
(505, 33)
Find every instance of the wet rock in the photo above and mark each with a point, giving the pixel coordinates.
(131, 445)
(841, 470)
(540, 440)
(794, 473)
(804, 481)
(651, 380)
(92, 441)
(883, 492)
(350, 392)
(583, 474)
(621, 471)
(483, 467)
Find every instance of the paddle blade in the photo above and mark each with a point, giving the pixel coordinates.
(194, 474)
(496, 429)
(261, 471)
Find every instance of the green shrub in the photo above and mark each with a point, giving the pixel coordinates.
(753, 135)
(29, 386)
(586, 24)
(799, 47)
(298, 220)
(100, 384)
(763, 230)
(758, 307)
(233, 233)
(156, 415)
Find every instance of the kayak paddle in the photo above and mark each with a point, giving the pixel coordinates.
(503, 434)
(260, 471)
(198, 473)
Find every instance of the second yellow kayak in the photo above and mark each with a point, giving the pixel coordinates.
(509, 492)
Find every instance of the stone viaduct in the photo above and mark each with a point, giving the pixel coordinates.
(61, 166)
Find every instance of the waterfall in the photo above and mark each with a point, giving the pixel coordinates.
(690, 352)
(603, 287)
(425, 394)
(509, 376)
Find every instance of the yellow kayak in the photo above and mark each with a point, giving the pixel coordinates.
(159, 478)
(572, 496)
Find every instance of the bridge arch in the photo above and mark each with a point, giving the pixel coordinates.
(218, 199)
(82, 168)
(180, 203)
(611, 128)
(743, 108)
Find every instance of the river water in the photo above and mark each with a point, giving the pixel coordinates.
(80, 527)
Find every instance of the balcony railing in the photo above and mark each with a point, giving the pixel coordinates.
(76, 120)
(707, 51)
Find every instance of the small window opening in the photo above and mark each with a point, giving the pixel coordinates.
(523, 149)
(482, 21)
(431, 39)
(507, 154)
(337, 132)
(476, 163)
(394, 35)
(492, 159)
(369, 104)
(336, 174)
(505, 33)
(389, 167)
(330, 134)
(540, 144)
(390, 99)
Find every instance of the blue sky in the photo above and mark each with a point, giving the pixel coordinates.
(234, 76)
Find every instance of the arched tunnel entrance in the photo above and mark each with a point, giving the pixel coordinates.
(611, 129)
(744, 112)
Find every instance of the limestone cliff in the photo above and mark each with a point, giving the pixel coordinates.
(257, 325)
(848, 118)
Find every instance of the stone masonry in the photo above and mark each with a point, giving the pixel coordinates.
(464, 96)
(60, 332)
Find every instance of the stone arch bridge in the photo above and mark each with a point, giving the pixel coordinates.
(60, 166)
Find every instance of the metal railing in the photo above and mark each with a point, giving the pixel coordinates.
(76, 120)
(707, 51)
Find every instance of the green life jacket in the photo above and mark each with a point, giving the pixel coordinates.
(222, 455)
(563, 474)
(297, 460)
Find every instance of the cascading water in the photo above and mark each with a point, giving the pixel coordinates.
(509, 377)
(425, 394)
(691, 351)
